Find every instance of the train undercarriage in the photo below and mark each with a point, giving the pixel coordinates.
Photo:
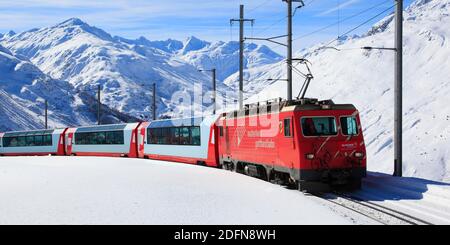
(313, 181)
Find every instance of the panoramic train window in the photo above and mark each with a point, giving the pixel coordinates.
(287, 127)
(174, 136)
(319, 126)
(31, 140)
(349, 126)
(100, 138)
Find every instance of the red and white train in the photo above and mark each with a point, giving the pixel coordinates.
(310, 144)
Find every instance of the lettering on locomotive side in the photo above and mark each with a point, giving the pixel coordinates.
(254, 134)
(348, 146)
(264, 144)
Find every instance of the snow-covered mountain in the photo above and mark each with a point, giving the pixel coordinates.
(24, 89)
(366, 79)
(87, 56)
(224, 56)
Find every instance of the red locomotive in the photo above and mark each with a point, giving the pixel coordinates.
(306, 143)
(313, 145)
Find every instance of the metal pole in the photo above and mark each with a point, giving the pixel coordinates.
(241, 53)
(241, 57)
(98, 104)
(398, 89)
(214, 90)
(154, 101)
(289, 50)
(46, 114)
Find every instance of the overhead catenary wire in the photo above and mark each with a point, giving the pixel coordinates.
(269, 26)
(258, 6)
(341, 21)
(360, 25)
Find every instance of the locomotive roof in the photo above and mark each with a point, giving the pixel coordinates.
(282, 105)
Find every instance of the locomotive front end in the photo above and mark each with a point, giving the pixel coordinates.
(332, 150)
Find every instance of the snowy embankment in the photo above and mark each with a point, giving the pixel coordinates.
(87, 190)
(424, 199)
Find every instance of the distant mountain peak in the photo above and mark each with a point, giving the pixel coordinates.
(192, 44)
(10, 33)
(73, 22)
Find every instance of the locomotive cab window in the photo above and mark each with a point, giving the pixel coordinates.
(349, 125)
(287, 127)
(319, 126)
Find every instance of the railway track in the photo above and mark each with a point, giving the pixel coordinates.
(373, 211)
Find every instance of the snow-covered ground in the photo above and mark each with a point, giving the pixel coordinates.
(424, 199)
(87, 190)
(97, 190)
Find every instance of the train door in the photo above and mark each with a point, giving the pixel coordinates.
(62, 143)
(141, 142)
(286, 141)
(69, 142)
(227, 140)
(134, 143)
(142, 138)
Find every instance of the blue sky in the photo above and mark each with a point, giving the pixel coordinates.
(162, 19)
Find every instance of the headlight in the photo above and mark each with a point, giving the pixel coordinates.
(309, 156)
(359, 154)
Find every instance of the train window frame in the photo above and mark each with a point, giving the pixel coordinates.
(27, 141)
(324, 136)
(160, 134)
(93, 138)
(342, 130)
(290, 135)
